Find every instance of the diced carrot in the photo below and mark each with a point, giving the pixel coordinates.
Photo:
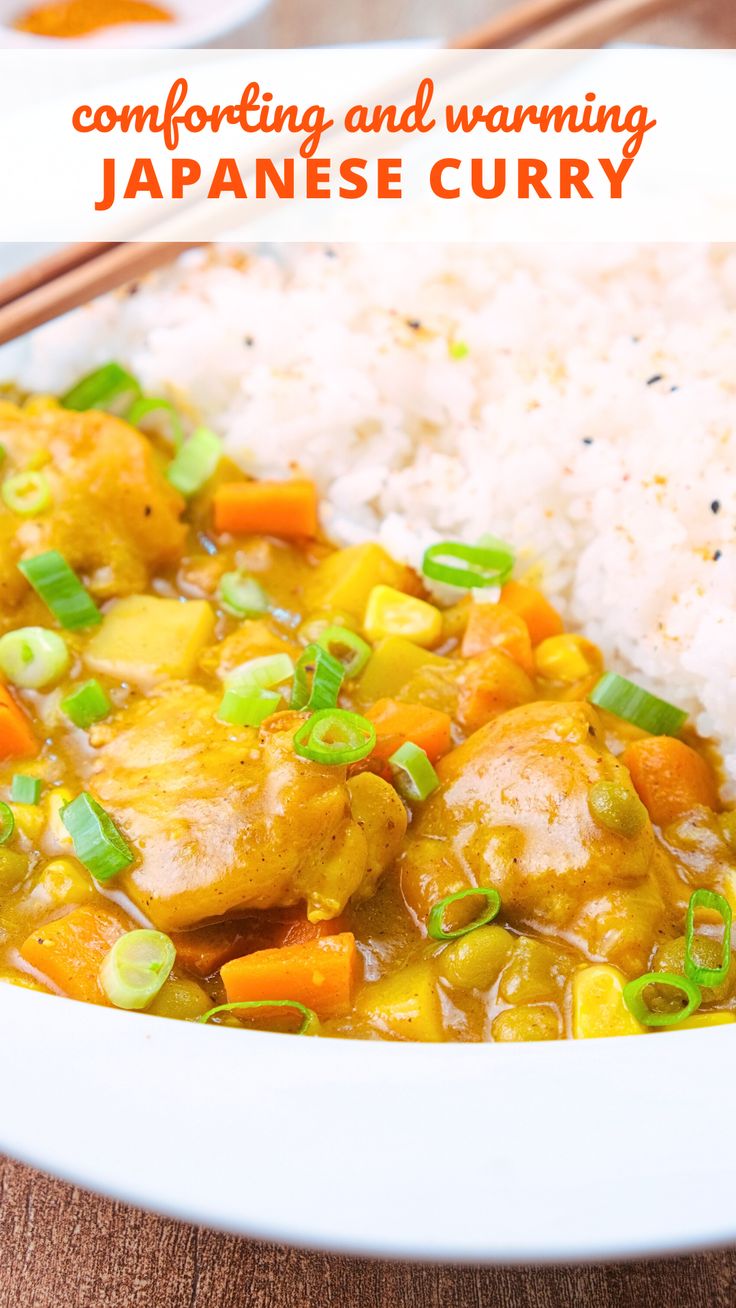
(490, 684)
(494, 626)
(319, 973)
(16, 737)
(275, 508)
(396, 723)
(540, 617)
(206, 949)
(670, 777)
(70, 951)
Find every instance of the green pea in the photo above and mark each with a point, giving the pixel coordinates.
(706, 952)
(474, 961)
(182, 998)
(618, 808)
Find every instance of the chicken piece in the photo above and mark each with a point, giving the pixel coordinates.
(227, 819)
(113, 515)
(512, 812)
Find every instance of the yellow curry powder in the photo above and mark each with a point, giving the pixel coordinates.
(79, 17)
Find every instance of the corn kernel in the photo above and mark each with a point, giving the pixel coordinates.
(29, 819)
(598, 1007)
(719, 1018)
(56, 836)
(567, 658)
(391, 613)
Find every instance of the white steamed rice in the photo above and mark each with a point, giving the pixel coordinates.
(592, 420)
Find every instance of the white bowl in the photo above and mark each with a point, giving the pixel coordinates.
(196, 23)
(594, 1149)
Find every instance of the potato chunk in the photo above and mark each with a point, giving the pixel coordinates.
(144, 639)
(226, 819)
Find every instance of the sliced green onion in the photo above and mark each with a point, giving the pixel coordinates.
(339, 642)
(628, 701)
(33, 657)
(99, 388)
(414, 775)
(242, 596)
(490, 563)
(708, 976)
(327, 677)
(195, 461)
(7, 822)
(27, 493)
(265, 672)
(435, 923)
(310, 1021)
(60, 588)
(146, 404)
(458, 349)
(86, 704)
(335, 736)
(248, 708)
(136, 967)
(97, 842)
(25, 789)
(634, 998)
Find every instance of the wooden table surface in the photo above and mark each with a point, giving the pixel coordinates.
(63, 1248)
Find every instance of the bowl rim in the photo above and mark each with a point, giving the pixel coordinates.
(551, 1152)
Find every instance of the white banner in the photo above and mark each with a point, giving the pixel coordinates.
(368, 144)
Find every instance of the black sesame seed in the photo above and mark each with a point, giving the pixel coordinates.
(248, 340)
(587, 440)
(715, 506)
(414, 323)
(717, 555)
(656, 378)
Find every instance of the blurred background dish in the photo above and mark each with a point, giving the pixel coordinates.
(256, 24)
(102, 23)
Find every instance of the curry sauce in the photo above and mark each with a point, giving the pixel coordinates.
(320, 792)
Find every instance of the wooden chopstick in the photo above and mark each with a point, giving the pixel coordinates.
(595, 25)
(74, 276)
(104, 268)
(513, 24)
(559, 24)
(47, 268)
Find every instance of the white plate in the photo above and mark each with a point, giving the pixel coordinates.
(595, 1149)
(196, 23)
